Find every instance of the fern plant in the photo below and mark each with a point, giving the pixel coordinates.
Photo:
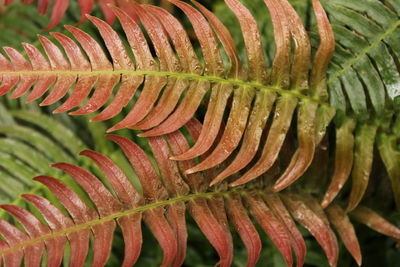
(186, 109)
(270, 124)
(27, 151)
(286, 88)
(30, 142)
(163, 206)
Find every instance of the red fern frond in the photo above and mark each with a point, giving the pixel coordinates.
(172, 84)
(162, 206)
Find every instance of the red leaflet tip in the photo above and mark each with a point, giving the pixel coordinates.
(98, 118)
(27, 196)
(234, 184)
(278, 187)
(217, 179)
(157, 132)
(41, 178)
(69, 27)
(30, 99)
(325, 203)
(111, 130)
(82, 19)
(58, 110)
(113, 137)
(42, 104)
(85, 152)
(37, 178)
(14, 96)
(115, 128)
(7, 48)
(212, 183)
(191, 171)
(58, 165)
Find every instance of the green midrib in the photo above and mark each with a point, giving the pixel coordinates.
(89, 224)
(360, 56)
(236, 83)
(178, 75)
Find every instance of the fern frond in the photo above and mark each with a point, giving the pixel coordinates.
(357, 47)
(19, 25)
(256, 101)
(162, 206)
(180, 75)
(366, 40)
(364, 80)
(29, 143)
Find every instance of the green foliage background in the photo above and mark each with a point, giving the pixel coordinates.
(366, 62)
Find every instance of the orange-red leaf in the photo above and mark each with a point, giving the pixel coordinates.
(39, 63)
(375, 221)
(78, 62)
(153, 191)
(19, 62)
(57, 63)
(225, 38)
(340, 220)
(343, 161)
(244, 227)
(252, 39)
(99, 62)
(296, 238)
(35, 229)
(205, 35)
(14, 236)
(276, 136)
(233, 131)
(272, 226)
(252, 137)
(315, 224)
(57, 221)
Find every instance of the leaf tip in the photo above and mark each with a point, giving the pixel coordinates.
(114, 137)
(115, 128)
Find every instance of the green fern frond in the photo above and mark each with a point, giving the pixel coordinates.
(19, 25)
(364, 80)
(365, 64)
(84, 7)
(29, 143)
